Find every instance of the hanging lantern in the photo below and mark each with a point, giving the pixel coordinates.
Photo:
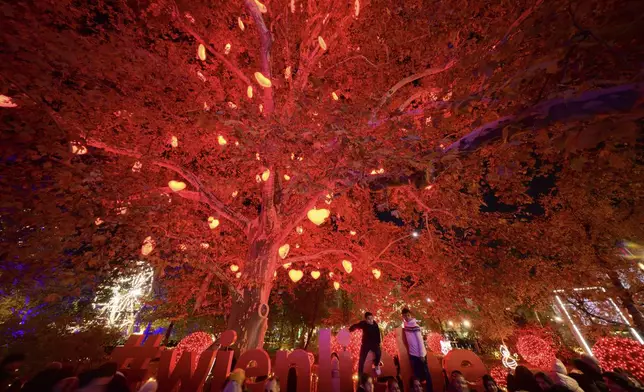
(356, 8)
(77, 148)
(287, 177)
(137, 167)
(182, 247)
(262, 80)
(266, 174)
(174, 142)
(148, 246)
(235, 193)
(376, 273)
(283, 251)
(205, 245)
(315, 274)
(238, 275)
(261, 7)
(297, 246)
(318, 216)
(334, 96)
(346, 264)
(6, 102)
(177, 186)
(352, 232)
(322, 43)
(212, 222)
(227, 48)
(201, 52)
(299, 230)
(240, 23)
(98, 221)
(234, 267)
(287, 73)
(336, 285)
(221, 140)
(286, 266)
(295, 275)
(331, 275)
(249, 91)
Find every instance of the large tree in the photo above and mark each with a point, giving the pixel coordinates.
(384, 113)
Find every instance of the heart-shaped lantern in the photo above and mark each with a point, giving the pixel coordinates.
(336, 285)
(234, 267)
(295, 275)
(283, 250)
(212, 222)
(346, 264)
(177, 186)
(318, 216)
(376, 273)
(315, 274)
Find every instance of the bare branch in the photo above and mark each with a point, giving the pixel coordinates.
(298, 217)
(516, 23)
(321, 254)
(266, 41)
(405, 81)
(205, 195)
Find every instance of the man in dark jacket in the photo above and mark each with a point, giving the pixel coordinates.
(370, 341)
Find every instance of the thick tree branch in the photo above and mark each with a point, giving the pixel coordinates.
(516, 23)
(321, 254)
(184, 26)
(405, 81)
(609, 101)
(298, 217)
(205, 195)
(234, 291)
(266, 42)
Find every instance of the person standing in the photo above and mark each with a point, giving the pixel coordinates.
(416, 349)
(370, 341)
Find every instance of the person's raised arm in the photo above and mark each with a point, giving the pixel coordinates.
(355, 326)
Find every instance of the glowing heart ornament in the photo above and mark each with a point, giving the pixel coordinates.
(318, 216)
(77, 148)
(240, 23)
(315, 274)
(177, 186)
(234, 267)
(148, 246)
(322, 43)
(263, 80)
(212, 222)
(376, 273)
(295, 275)
(6, 102)
(283, 251)
(346, 264)
(336, 285)
(221, 140)
(201, 52)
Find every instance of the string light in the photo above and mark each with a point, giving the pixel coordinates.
(434, 342)
(125, 297)
(507, 360)
(196, 343)
(500, 375)
(536, 351)
(613, 352)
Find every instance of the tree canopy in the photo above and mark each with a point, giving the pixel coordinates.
(480, 154)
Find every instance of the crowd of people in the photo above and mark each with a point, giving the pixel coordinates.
(586, 374)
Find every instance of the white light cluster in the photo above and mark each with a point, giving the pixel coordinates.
(125, 298)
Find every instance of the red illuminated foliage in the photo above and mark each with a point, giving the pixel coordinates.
(620, 353)
(505, 134)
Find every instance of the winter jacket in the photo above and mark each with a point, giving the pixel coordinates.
(370, 333)
(414, 338)
(560, 377)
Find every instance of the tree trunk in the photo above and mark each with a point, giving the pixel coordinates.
(627, 301)
(249, 313)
